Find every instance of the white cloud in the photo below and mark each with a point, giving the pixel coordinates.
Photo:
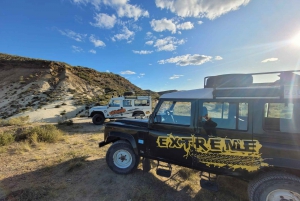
(210, 9)
(150, 42)
(187, 59)
(95, 3)
(125, 35)
(218, 58)
(107, 71)
(131, 11)
(142, 52)
(77, 49)
(73, 35)
(200, 22)
(122, 7)
(141, 75)
(104, 21)
(128, 72)
(185, 26)
(175, 77)
(168, 44)
(93, 51)
(96, 42)
(163, 25)
(149, 34)
(269, 59)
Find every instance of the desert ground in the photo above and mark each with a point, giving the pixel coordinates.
(74, 168)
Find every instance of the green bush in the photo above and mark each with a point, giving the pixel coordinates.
(6, 138)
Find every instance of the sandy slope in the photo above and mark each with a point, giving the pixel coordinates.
(51, 114)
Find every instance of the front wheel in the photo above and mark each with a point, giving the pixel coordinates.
(121, 158)
(98, 119)
(275, 186)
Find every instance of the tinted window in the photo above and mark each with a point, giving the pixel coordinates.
(141, 103)
(173, 112)
(127, 103)
(225, 114)
(115, 103)
(282, 117)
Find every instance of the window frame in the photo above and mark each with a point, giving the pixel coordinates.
(276, 102)
(192, 117)
(237, 106)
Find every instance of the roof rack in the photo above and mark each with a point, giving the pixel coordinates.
(242, 86)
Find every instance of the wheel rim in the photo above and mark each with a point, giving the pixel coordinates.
(122, 158)
(283, 195)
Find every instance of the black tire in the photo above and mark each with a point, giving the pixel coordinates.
(138, 114)
(274, 186)
(121, 158)
(98, 119)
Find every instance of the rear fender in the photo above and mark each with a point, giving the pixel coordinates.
(113, 136)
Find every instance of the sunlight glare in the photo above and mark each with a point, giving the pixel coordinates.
(296, 40)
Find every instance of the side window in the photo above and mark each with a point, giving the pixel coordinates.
(225, 115)
(243, 116)
(115, 103)
(127, 103)
(173, 112)
(141, 103)
(282, 117)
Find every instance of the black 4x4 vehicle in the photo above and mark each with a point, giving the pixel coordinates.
(232, 126)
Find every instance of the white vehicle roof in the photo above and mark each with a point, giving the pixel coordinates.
(205, 93)
(131, 97)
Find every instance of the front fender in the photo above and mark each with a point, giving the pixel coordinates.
(113, 135)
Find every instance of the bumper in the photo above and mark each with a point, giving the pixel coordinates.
(103, 143)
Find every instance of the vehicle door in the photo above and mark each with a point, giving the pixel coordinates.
(278, 131)
(224, 136)
(127, 107)
(115, 108)
(170, 129)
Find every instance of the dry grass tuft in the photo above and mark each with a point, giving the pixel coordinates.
(31, 194)
(45, 133)
(17, 121)
(76, 163)
(6, 138)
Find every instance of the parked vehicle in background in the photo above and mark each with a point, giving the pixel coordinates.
(125, 106)
(233, 126)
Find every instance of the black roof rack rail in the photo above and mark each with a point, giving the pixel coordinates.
(246, 80)
(241, 86)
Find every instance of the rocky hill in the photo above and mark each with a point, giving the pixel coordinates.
(28, 84)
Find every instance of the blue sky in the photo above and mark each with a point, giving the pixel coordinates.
(156, 44)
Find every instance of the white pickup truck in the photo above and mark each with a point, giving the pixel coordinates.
(122, 107)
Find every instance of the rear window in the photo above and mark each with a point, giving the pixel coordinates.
(282, 117)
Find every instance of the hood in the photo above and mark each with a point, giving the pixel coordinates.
(99, 107)
(135, 122)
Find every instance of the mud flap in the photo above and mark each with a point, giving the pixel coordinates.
(146, 165)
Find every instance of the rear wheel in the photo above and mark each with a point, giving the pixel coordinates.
(121, 158)
(98, 119)
(275, 186)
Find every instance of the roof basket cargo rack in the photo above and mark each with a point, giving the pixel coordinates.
(242, 85)
(246, 80)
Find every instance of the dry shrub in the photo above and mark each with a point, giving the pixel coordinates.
(44, 133)
(31, 194)
(17, 121)
(6, 138)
